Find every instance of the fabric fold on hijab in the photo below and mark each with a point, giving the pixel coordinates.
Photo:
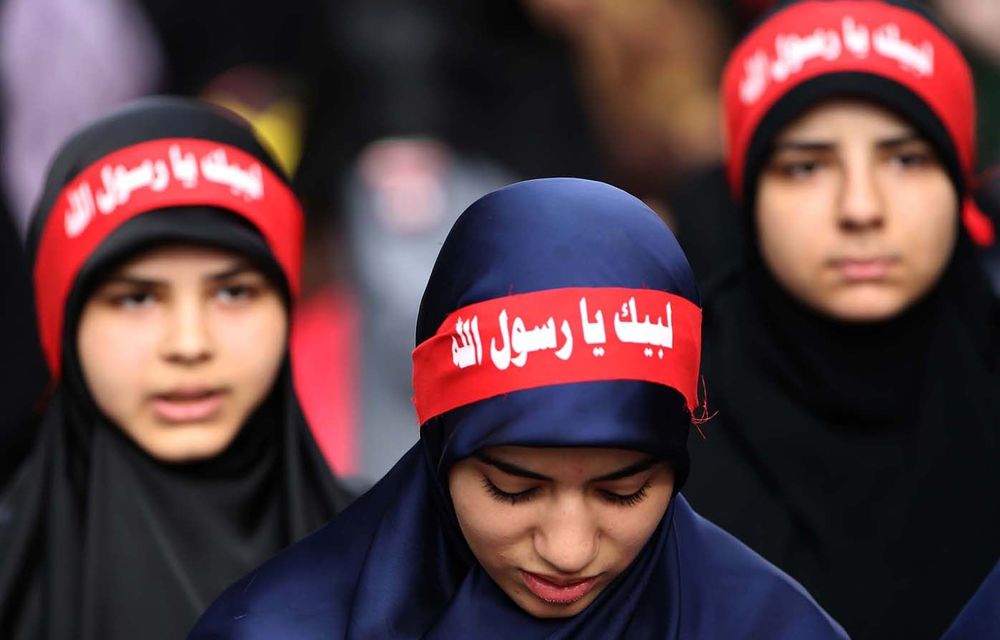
(100, 540)
(395, 563)
(980, 618)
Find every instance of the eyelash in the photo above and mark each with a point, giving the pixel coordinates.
(630, 500)
(503, 496)
(498, 494)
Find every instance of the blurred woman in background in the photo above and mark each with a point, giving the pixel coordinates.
(172, 456)
(853, 360)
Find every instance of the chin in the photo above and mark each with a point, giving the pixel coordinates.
(182, 445)
(541, 609)
(865, 309)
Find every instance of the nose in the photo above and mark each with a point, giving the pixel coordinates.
(187, 338)
(862, 207)
(569, 539)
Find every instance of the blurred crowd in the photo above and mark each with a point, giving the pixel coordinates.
(391, 116)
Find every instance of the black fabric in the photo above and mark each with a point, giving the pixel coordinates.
(862, 459)
(97, 538)
(23, 373)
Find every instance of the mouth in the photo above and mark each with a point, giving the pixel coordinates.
(556, 591)
(188, 405)
(860, 270)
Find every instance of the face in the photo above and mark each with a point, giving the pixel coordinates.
(553, 527)
(856, 216)
(179, 345)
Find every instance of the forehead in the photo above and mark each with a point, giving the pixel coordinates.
(178, 260)
(567, 462)
(843, 119)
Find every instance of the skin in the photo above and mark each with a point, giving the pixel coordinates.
(566, 527)
(856, 216)
(178, 347)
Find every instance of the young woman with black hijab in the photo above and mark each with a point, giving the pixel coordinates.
(853, 361)
(172, 456)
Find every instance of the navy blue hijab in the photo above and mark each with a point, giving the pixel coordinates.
(980, 618)
(395, 564)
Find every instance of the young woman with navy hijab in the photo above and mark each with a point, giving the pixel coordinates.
(980, 617)
(555, 380)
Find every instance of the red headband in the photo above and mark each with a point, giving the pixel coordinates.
(558, 336)
(145, 177)
(815, 38)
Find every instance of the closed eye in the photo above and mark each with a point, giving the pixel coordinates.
(627, 500)
(510, 498)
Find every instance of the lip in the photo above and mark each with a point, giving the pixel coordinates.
(188, 405)
(859, 270)
(556, 591)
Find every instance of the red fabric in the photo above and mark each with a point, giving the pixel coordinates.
(814, 38)
(978, 224)
(325, 362)
(155, 175)
(558, 336)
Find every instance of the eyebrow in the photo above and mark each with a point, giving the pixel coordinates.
(510, 469)
(803, 145)
(897, 141)
(139, 281)
(133, 281)
(828, 145)
(235, 270)
(514, 470)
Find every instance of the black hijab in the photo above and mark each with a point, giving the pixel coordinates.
(99, 539)
(863, 459)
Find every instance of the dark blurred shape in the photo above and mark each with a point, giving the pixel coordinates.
(474, 74)
(648, 74)
(976, 24)
(23, 374)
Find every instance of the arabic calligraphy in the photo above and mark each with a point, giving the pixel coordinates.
(514, 341)
(242, 182)
(119, 182)
(793, 51)
(644, 332)
(518, 341)
(471, 350)
(593, 331)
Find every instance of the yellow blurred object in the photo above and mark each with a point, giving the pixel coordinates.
(279, 126)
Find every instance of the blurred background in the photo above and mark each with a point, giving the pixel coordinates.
(392, 116)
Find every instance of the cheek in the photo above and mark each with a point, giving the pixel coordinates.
(627, 530)
(489, 527)
(116, 356)
(790, 233)
(251, 345)
(930, 236)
